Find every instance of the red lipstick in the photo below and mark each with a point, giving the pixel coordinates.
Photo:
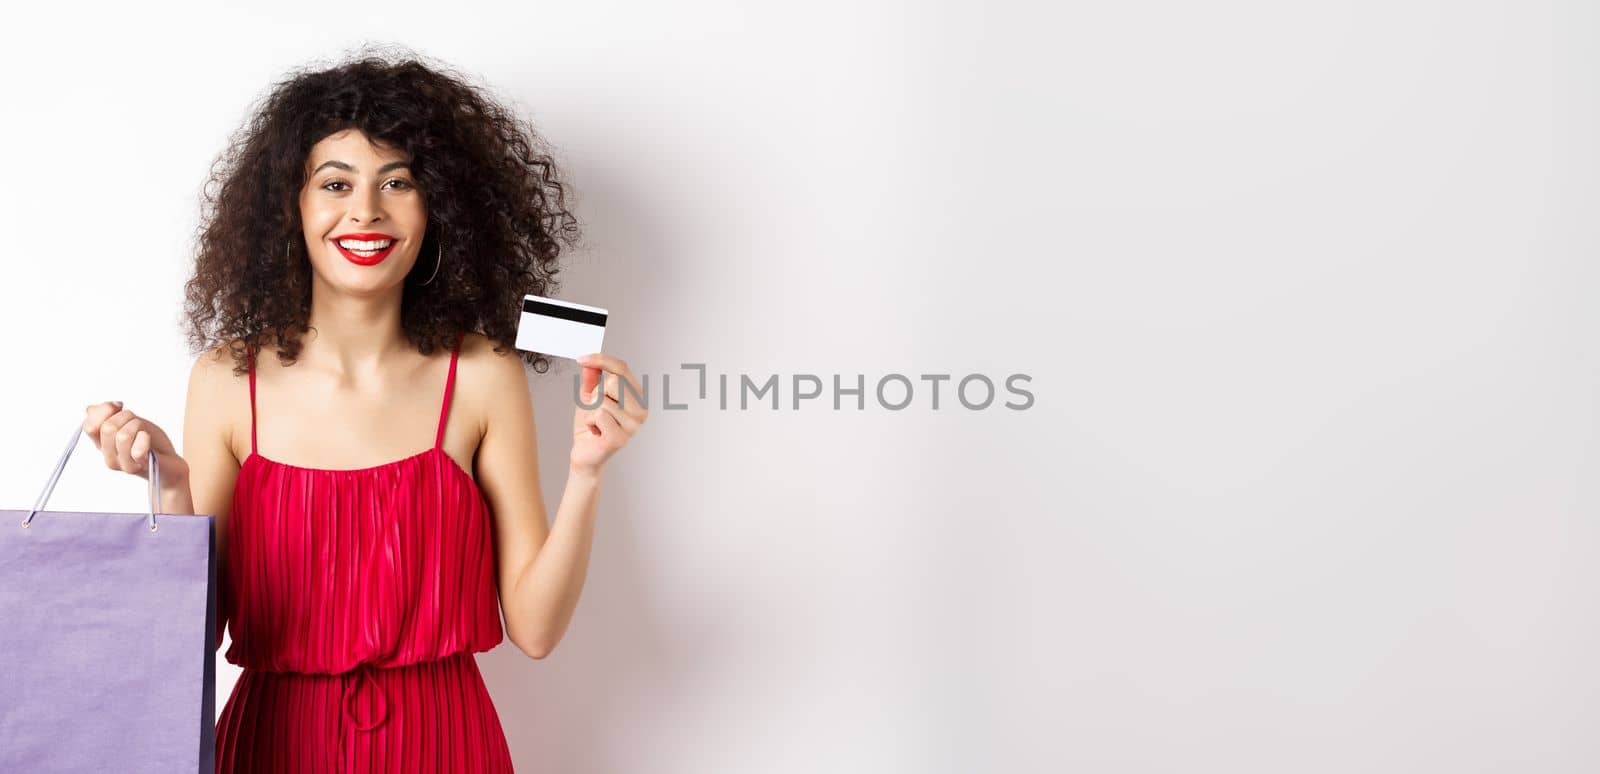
(366, 260)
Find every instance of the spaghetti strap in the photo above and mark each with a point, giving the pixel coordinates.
(449, 385)
(252, 350)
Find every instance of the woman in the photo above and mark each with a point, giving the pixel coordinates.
(366, 246)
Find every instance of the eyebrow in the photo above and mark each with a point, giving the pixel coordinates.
(348, 168)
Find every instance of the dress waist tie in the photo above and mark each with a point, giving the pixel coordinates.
(349, 686)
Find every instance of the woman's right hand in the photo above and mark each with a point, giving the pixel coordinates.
(125, 438)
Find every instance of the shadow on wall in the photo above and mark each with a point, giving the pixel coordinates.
(621, 667)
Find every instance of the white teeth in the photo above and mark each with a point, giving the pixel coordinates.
(353, 244)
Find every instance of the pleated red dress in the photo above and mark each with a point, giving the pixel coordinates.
(356, 600)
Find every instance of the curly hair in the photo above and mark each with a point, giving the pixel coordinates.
(491, 188)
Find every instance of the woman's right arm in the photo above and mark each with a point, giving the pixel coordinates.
(207, 443)
(213, 468)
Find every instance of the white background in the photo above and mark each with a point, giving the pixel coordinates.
(1305, 291)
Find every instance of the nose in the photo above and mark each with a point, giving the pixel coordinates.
(366, 207)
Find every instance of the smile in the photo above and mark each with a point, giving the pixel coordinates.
(365, 252)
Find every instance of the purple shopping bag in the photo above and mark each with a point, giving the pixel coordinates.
(106, 623)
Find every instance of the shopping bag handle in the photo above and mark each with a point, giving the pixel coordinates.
(153, 493)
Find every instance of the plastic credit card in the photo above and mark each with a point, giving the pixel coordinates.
(555, 327)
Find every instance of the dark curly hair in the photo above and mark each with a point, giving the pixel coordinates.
(490, 186)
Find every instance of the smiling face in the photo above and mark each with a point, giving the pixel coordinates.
(361, 212)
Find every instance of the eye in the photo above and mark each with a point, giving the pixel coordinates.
(403, 184)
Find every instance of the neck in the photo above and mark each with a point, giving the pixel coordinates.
(353, 334)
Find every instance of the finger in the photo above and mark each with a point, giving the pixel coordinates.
(627, 423)
(96, 413)
(139, 450)
(613, 386)
(634, 407)
(615, 365)
(590, 377)
(125, 437)
(614, 390)
(609, 429)
(585, 418)
(107, 433)
(607, 362)
(601, 379)
(594, 416)
(620, 369)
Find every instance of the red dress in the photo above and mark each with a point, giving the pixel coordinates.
(355, 600)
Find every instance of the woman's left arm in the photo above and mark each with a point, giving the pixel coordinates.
(541, 567)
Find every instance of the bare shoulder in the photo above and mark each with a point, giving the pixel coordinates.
(214, 391)
(486, 371)
(487, 378)
(213, 372)
(215, 362)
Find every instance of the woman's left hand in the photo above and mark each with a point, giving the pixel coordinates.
(597, 433)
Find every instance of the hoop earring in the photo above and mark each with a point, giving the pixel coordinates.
(436, 261)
